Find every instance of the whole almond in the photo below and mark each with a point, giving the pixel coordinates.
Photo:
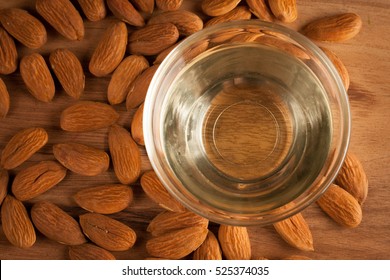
(340, 67)
(94, 10)
(137, 126)
(68, 71)
(123, 76)
(63, 16)
(37, 179)
(146, 6)
(152, 39)
(176, 244)
(36, 75)
(4, 100)
(296, 232)
(89, 251)
(106, 199)
(245, 37)
(107, 233)
(169, 5)
(17, 226)
(260, 9)
(56, 224)
(234, 242)
(341, 206)
(163, 54)
(126, 12)
(334, 28)
(353, 178)
(209, 250)
(125, 155)
(22, 146)
(4, 178)
(82, 159)
(157, 192)
(110, 50)
(218, 7)
(284, 10)
(8, 53)
(24, 27)
(186, 22)
(238, 13)
(87, 116)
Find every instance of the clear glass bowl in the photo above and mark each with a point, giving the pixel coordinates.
(246, 122)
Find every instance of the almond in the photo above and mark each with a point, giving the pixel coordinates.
(238, 13)
(36, 75)
(152, 39)
(245, 37)
(126, 12)
(169, 5)
(296, 232)
(110, 50)
(146, 6)
(125, 155)
(137, 126)
(4, 100)
(94, 10)
(260, 9)
(123, 76)
(234, 242)
(169, 221)
(107, 233)
(89, 251)
(341, 206)
(163, 54)
(283, 45)
(81, 159)
(106, 199)
(186, 22)
(176, 244)
(17, 226)
(209, 250)
(218, 7)
(157, 192)
(284, 10)
(334, 28)
(37, 179)
(353, 178)
(4, 178)
(63, 16)
(8, 53)
(88, 116)
(22, 146)
(56, 224)
(69, 71)
(24, 27)
(340, 67)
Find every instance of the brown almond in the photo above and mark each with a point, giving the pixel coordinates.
(341, 206)
(24, 27)
(146, 6)
(157, 192)
(218, 7)
(82, 159)
(152, 39)
(234, 242)
(16, 223)
(284, 10)
(126, 12)
(89, 251)
(163, 54)
(106, 199)
(334, 28)
(283, 45)
(238, 13)
(339, 65)
(131, 67)
(68, 71)
(87, 116)
(176, 244)
(56, 224)
(353, 178)
(22, 146)
(209, 250)
(107, 233)
(4, 178)
(36, 75)
(137, 126)
(245, 37)
(37, 179)
(8, 53)
(110, 50)
(4, 100)
(296, 232)
(125, 155)
(169, 5)
(63, 16)
(260, 9)
(94, 10)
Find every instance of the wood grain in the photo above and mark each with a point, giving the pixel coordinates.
(367, 57)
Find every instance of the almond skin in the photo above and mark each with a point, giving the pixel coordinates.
(94, 10)
(218, 7)
(87, 116)
(81, 159)
(234, 242)
(17, 226)
(137, 126)
(260, 9)
(126, 12)
(89, 251)
(8, 53)
(107, 233)
(24, 27)
(169, 5)
(37, 179)
(56, 224)
(340, 67)
(209, 250)
(22, 146)
(284, 10)
(4, 178)
(238, 13)
(110, 50)
(4, 100)
(37, 77)
(106, 199)
(146, 6)
(63, 16)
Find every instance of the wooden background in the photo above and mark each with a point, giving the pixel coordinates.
(367, 58)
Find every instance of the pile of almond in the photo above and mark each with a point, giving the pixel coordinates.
(130, 57)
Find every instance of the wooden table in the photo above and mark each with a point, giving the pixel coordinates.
(367, 58)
